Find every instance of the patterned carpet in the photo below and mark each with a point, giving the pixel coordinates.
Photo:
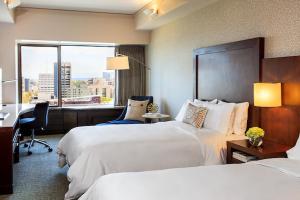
(37, 177)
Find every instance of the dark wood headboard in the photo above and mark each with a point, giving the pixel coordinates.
(228, 71)
(282, 124)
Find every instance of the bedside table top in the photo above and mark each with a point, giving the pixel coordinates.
(155, 116)
(268, 149)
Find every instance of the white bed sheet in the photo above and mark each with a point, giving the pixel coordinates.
(273, 179)
(95, 151)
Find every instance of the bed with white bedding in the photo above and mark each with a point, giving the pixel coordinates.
(94, 151)
(271, 179)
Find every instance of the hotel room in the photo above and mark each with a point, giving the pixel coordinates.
(150, 99)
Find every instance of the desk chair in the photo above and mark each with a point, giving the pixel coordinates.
(121, 120)
(39, 121)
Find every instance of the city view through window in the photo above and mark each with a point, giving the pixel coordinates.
(84, 80)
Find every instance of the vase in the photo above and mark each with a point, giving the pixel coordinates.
(256, 141)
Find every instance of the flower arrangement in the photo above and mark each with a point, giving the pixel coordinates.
(152, 108)
(255, 135)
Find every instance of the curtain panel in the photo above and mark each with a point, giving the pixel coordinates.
(131, 82)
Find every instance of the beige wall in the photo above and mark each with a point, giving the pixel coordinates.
(39, 24)
(170, 52)
(168, 11)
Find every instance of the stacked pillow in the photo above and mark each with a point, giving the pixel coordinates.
(218, 118)
(239, 117)
(226, 118)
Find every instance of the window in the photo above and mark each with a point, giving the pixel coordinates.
(38, 75)
(66, 75)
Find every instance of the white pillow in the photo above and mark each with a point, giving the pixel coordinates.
(294, 153)
(182, 111)
(239, 118)
(136, 109)
(200, 102)
(218, 117)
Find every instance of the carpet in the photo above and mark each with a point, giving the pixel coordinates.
(37, 177)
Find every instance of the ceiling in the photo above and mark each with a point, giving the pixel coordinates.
(111, 6)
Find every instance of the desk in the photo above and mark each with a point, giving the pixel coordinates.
(8, 144)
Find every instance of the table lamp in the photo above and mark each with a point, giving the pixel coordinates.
(267, 94)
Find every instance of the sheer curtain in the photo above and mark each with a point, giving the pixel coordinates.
(131, 82)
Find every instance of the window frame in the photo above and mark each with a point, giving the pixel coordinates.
(59, 57)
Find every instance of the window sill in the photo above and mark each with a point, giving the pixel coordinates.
(87, 107)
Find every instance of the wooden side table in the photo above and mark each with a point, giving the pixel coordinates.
(267, 150)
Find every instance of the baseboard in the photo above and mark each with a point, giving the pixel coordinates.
(6, 189)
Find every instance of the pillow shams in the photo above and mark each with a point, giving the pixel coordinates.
(218, 117)
(135, 110)
(183, 108)
(203, 103)
(239, 117)
(194, 115)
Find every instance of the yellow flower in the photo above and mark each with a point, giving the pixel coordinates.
(255, 132)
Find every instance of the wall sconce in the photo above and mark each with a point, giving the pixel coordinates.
(267, 94)
(151, 12)
(11, 4)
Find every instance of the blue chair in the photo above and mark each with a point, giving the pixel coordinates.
(38, 121)
(120, 120)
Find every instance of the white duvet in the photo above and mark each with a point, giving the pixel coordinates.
(273, 179)
(95, 151)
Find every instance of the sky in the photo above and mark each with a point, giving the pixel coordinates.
(86, 62)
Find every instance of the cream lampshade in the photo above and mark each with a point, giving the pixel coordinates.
(267, 94)
(117, 63)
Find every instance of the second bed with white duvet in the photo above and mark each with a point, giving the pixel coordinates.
(271, 179)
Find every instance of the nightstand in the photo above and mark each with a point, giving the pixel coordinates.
(155, 117)
(267, 150)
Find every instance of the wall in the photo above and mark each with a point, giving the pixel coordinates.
(168, 11)
(170, 51)
(55, 25)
